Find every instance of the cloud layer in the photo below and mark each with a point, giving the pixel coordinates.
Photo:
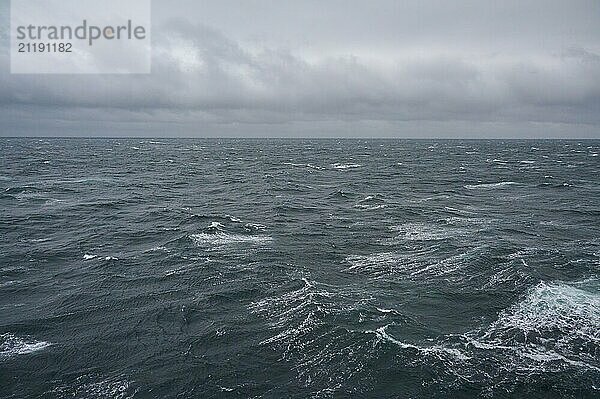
(437, 77)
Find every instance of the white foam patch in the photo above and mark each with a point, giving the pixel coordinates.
(215, 225)
(233, 219)
(304, 165)
(428, 266)
(96, 388)
(341, 166)
(439, 351)
(425, 232)
(490, 186)
(553, 328)
(378, 264)
(411, 265)
(371, 203)
(554, 321)
(300, 323)
(11, 345)
(8, 283)
(224, 239)
(158, 249)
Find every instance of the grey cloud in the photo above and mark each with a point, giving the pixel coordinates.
(224, 76)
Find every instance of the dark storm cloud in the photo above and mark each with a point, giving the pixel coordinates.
(376, 68)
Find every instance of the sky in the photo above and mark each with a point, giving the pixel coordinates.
(333, 68)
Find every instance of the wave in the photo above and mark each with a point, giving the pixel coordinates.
(411, 265)
(233, 219)
(435, 350)
(488, 186)
(23, 190)
(158, 248)
(552, 329)
(341, 166)
(9, 283)
(426, 232)
(378, 264)
(223, 239)
(11, 345)
(96, 387)
(303, 327)
(554, 322)
(304, 165)
(433, 265)
(215, 225)
(371, 202)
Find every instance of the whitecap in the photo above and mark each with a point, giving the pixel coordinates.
(45, 239)
(553, 327)
(158, 249)
(11, 345)
(341, 166)
(425, 232)
(254, 226)
(9, 283)
(439, 351)
(371, 203)
(490, 185)
(556, 315)
(233, 219)
(88, 256)
(376, 264)
(222, 239)
(304, 165)
(301, 334)
(370, 207)
(412, 265)
(96, 387)
(215, 225)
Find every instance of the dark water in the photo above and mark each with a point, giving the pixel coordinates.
(299, 268)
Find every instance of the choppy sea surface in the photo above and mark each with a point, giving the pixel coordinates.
(299, 268)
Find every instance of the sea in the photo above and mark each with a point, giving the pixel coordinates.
(299, 268)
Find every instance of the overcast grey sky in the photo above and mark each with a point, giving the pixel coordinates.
(342, 68)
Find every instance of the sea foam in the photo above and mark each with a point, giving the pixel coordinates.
(341, 166)
(554, 321)
(490, 186)
(222, 239)
(11, 345)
